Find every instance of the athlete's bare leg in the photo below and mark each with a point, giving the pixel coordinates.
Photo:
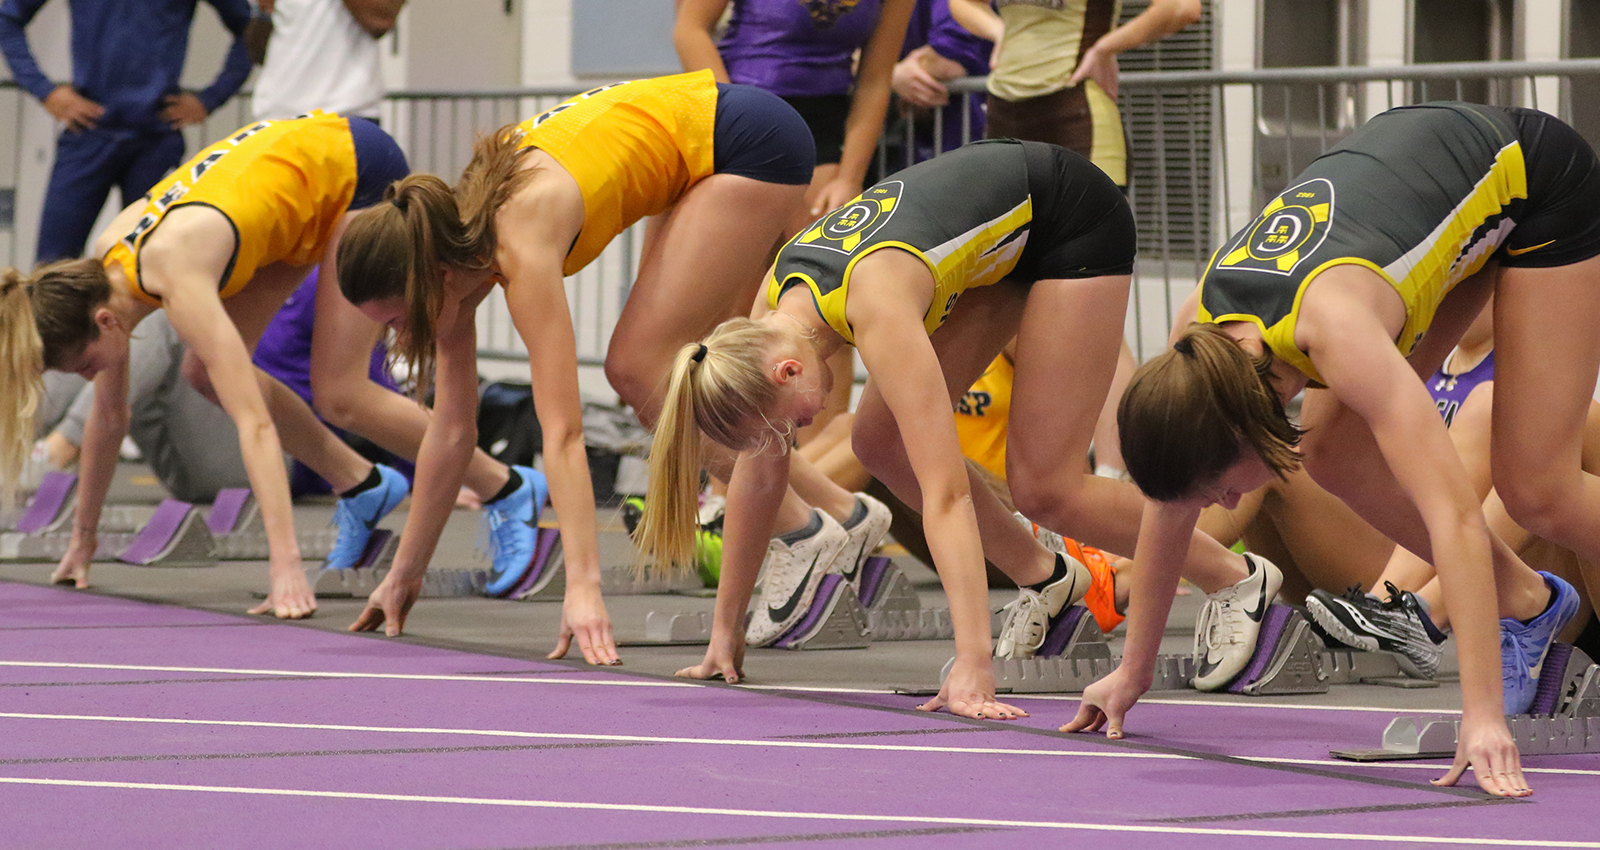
(1062, 381)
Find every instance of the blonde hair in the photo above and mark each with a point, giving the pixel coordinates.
(718, 388)
(46, 319)
(1189, 413)
(395, 249)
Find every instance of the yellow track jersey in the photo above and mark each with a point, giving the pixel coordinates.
(283, 184)
(1422, 196)
(634, 148)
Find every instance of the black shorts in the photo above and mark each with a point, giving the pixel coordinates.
(825, 114)
(757, 135)
(1561, 222)
(379, 162)
(1082, 225)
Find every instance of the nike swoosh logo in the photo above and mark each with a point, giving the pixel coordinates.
(780, 614)
(1517, 252)
(855, 565)
(1261, 604)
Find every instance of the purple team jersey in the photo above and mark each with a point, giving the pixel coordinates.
(1450, 391)
(797, 48)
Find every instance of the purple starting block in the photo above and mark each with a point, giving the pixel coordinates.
(872, 579)
(835, 620)
(49, 503)
(1062, 631)
(1552, 679)
(547, 539)
(174, 536)
(226, 510)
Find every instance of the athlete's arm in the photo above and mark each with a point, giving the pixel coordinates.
(1355, 353)
(691, 35)
(868, 105)
(442, 460)
(755, 491)
(182, 265)
(1161, 19)
(894, 347)
(1165, 532)
(97, 462)
(536, 227)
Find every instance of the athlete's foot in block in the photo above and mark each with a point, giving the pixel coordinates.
(724, 660)
(968, 691)
(584, 622)
(289, 597)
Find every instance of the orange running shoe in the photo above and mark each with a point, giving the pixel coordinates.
(1101, 599)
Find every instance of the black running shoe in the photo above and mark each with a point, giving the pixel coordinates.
(1397, 625)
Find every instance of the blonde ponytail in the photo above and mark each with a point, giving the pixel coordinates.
(718, 387)
(21, 380)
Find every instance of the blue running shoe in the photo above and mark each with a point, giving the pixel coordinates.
(1523, 645)
(358, 515)
(511, 526)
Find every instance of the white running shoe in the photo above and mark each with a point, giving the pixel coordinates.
(789, 578)
(1225, 632)
(865, 538)
(1028, 618)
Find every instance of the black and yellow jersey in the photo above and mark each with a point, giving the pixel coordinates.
(1424, 196)
(978, 215)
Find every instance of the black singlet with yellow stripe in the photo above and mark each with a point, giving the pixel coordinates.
(1424, 196)
(986, 212)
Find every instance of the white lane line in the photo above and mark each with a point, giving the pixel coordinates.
(811, 816)
(331, 674)
(736, 742)
(821, 689)
(574, 736)
(1439, 767)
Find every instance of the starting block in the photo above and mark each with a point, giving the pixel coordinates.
(50, 509)
(546, 580)
(1291, 659)
(1564, 718)
(835, 620)
(1074, 654)
(175, 537)
(235, 524)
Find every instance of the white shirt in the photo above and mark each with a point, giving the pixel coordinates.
(318, 58)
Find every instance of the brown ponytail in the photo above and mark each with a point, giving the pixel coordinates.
(490, 179)
(718, 387)
(1188, 414)
(45, 322)
(397, 249)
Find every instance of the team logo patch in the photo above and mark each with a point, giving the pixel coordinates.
(1290, 229)
(845, 228)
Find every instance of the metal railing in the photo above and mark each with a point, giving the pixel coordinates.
(1209, 148)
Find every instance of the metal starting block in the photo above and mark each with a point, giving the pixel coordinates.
(546, 579)
(1074, 654)
(835, 620)
(1291, 659)
(1564, 718)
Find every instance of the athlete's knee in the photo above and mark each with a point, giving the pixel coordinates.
(632, 378)
(337, 402)
(1059, 500)
(194, 373)
(1549, 506)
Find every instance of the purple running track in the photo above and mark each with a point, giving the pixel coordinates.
(131, 724)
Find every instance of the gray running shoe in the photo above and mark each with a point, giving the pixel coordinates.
(1398, 625)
